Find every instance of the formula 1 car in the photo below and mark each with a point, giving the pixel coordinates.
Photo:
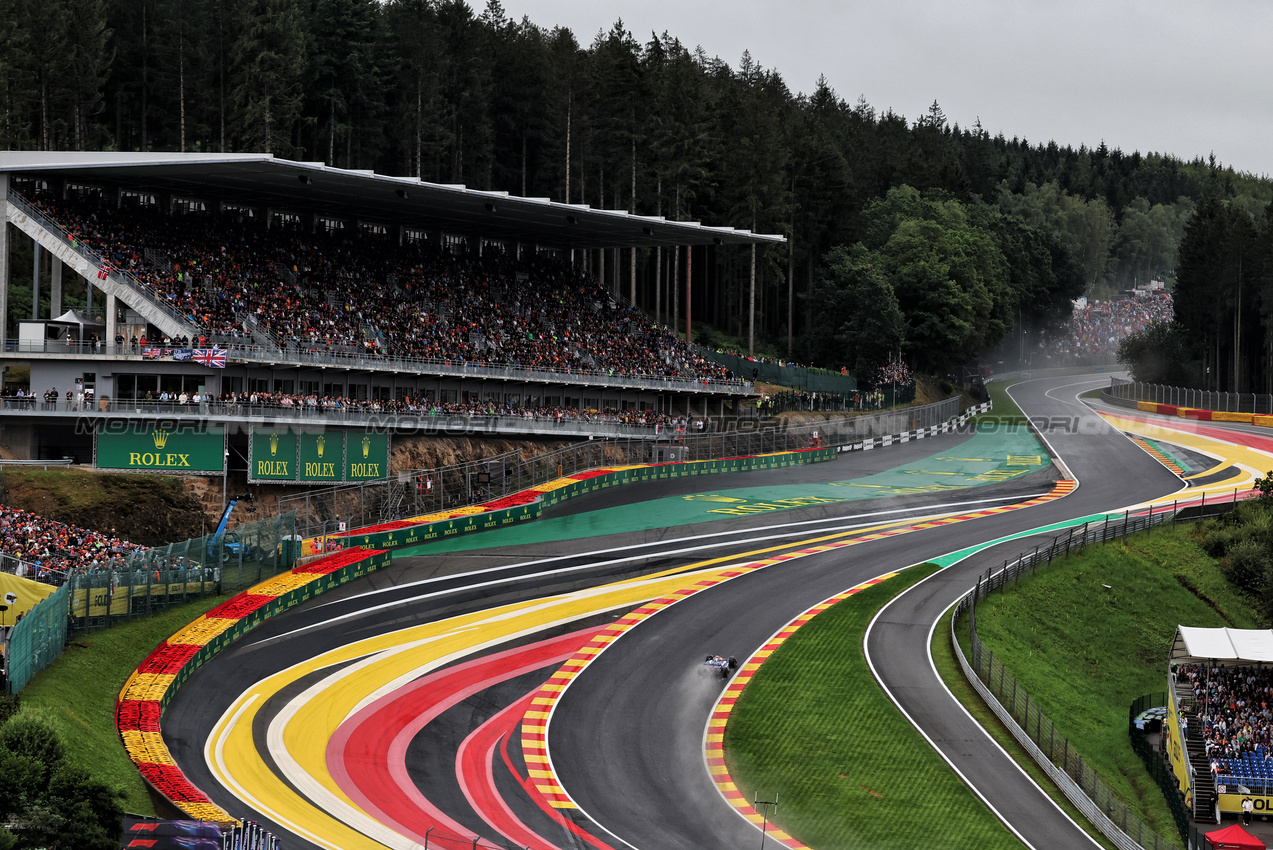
(720, 664)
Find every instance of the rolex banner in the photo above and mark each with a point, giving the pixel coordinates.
(313, 457)
(139, 447)
(273, 456)
(366, 456)
(322, 456)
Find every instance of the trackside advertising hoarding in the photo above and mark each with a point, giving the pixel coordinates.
(160, 447)
(272, 456)
(283, 456)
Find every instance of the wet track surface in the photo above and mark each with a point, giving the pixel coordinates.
(626, 736)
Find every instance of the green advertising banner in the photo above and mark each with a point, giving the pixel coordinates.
(144, 447)
(272, 456)
(284, 456)
(366, 456)
(322, 457)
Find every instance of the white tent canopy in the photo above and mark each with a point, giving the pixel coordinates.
(1233, 645)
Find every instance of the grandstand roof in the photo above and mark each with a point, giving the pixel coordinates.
(261, 179)
(1251, 645)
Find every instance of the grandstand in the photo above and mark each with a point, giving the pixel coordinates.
(1219, 734)
(255, 292)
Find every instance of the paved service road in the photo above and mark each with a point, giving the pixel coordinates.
(626, 737)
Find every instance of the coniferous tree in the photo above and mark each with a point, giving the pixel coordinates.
(267, 71)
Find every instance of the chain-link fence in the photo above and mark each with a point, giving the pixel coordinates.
(37, 639)
(1188, 397)
(421, 491)
(1012, 704)
(1160, 770)
(148, 581)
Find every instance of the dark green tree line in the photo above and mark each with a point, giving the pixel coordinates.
(452, 93)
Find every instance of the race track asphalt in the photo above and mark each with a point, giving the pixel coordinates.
(626, 737)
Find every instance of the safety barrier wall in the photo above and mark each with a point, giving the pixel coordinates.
(1192, 399)
(153, 684)
(949, 425)
(529, 504)
(1026, 721)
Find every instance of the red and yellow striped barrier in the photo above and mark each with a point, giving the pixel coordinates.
(1201, 415)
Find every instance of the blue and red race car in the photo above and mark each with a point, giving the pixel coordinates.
(721, 664)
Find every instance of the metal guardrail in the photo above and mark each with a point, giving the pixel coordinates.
(590, 425)
(42, 464)
(1025, 719)
(1188, 397)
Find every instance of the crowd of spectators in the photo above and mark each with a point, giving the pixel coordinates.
(1097, 327)
(45, 550)
(363, 293)
(18, 398)
(1234, 706)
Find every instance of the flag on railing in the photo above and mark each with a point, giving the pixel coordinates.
(214, 357)
(152, 353)
(183, 354)
(104, 271)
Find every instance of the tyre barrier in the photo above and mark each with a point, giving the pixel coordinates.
(144, 697)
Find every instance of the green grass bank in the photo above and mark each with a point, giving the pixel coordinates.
(849, 770)
(1090, 634)
(77, 694)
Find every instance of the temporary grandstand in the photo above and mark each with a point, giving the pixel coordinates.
(1219, 732)
(242, 293)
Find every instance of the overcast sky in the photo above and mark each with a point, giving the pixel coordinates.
(1185, 78)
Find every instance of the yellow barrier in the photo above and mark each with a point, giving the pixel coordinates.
(1147, 406)
(1262, 419)
(1221, 416)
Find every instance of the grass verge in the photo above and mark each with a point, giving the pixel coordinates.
(1005, 410)
(1091, 634)
(850, 771)
(77, 694)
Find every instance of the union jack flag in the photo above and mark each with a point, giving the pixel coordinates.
(214, 357)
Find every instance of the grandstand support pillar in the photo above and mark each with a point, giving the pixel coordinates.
(112, 319)
(751, 305)
(37, 255)
(689, 277)
(55, 289)
(658, 284)
(4, 259)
